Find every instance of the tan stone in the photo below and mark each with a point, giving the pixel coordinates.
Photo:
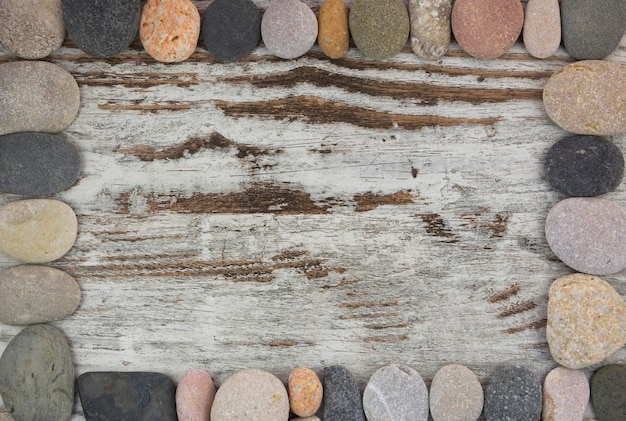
(5, 415)
(565, 395)
(334, 34)
(542, 27)
(430, 27)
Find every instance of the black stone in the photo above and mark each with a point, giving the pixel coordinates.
(231, 29)
(37, 164)
(342, 397)
(102, 28)
(608, 393)
(584, 166)
(514, 393)
(137, 396)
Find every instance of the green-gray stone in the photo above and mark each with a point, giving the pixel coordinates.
(608, 392)
(380, 28)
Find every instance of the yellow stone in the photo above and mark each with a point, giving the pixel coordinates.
(334, 34)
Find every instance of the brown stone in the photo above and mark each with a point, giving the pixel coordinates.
(333, 36)
(542, 27)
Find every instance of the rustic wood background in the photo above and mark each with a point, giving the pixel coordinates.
(271, 213)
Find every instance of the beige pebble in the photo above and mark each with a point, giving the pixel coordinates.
(430, 27)
(565, 395)
(542, 27)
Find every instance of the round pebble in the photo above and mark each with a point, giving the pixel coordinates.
(379, 28)
(565, 395)
(588, 234)
(194, 396)
(342, 397)
(430, 27)
(334, 33)
(289, 28)
(305, 392)
(513, 393)
(455, 394)
(608, 388)
(542, 27)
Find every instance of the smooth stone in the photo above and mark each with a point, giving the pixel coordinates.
(289, 28)
(342, 397)
(588, 234)
(565, 395)
(586, 320)
(251, 394)
(305, 391)
(430, 27)
(37, 375)
(584, 165)
(36, 96)
(487, 28)
(37, 230)
(194, 396)
(31, 29)
(588, 97)
(592, 29)
(379, 28)
(102, 28)
(311, 418)
(542, 27)
(231, 29)
(608, 388)
(513, 393)
(455, 394)
(396, 392)
(334, 33)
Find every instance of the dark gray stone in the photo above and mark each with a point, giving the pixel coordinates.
(342, 397)
(608, 392)
(514, 393)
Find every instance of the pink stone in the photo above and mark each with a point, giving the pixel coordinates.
(542, 27)
(565, 395)
(194, 396)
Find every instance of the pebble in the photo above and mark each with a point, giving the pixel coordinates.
(588, 97)
(513, 393)
(31, 29)
(5, 415)
(586, 320)
(289, 28)
(231, 29)
(38, 375)
(430, 27)
(102, 28)
(127, 396)
(379, 28)
(608, 388)
(592, 29)
(37, 164)
(565, 395)
(305, 392)
(36, 96)
(487, 28)
(342, 397)
(396, 392)
(311, 418)
(455, 394)
(334, 32)
(588, 234)
(542, 27)
(251, 394)
(194, 396)
(37, 230)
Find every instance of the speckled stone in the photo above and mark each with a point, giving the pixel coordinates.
(430, 27)
(342, 397)
(588, 97)
(588, 234)
(608, 388)
(305, 391)
(455, 394)
(334, 33)
(5, 415)
(36, 96)
(379, 28)
(565, 395)
(194, 396)
(487, 28)
(542, 27)
(513, 393)
(289, 28)
(586, 320)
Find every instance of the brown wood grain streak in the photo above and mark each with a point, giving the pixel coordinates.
(517, 308)
(504, 294)
(369, 201)
(539, 324)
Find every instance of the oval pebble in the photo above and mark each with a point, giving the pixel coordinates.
(289, 28)
(455, 394)
(342, 397)
(608, 388)
(194, 396)
(305, 392)
(430, 27)
(37, 230)
(588, 234)
(565, 395)
(379, 28)
(311, 418)
(513, 393)
(334, 33)
(542, 27)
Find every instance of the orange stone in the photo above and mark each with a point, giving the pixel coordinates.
(334, 34)
(305, 392)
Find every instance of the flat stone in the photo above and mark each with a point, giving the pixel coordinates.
(36, 96)
(379, 28)
(608, 388)
(455, 394)
(194, 396)
(37, 375)
(487, 28)
(231, 29)
(289, 28)
(565, 395)
(430, 27)
(513, 393)
(31, 29)
(102, 28)
(586, 320)
(334, 32)
(251, 394)
(588, 234)
(305, 392)
(542, 27)
(342, 397)
(588, 97)
(37, 230)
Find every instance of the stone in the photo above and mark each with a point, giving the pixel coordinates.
(455, 394)
(586, 320)
(37, 230)
(584, 165)
(231, 29)
(37, 164)
(588, 234)
(169, 29)
(5, 415)
(31, 29)
(513, 393)
(305, 392)
(608, 388)
(588, 97)
(334, 33)
(311, 418)
(342, 397)
(289, 28)
(194, 396)
(592, 29)
(37, 375)
(251, 394)
(542, 27)
(487, 28)
(102, 28)
(379, 28)
(430, 27)
(36, 96)
(565, 395)
(395, 392)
